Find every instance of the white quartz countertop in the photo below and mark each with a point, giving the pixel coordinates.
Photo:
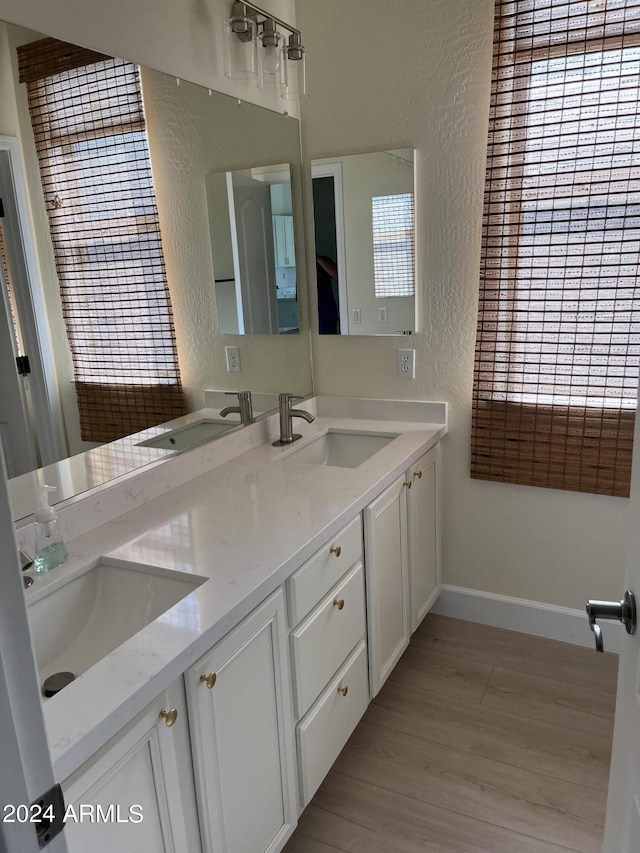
(246, 526)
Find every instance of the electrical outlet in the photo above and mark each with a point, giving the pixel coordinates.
(406, 363)
(355, 315)
(382, 315)
(233, 359)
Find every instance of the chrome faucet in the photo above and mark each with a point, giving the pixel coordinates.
(245, 409)
(287, 436)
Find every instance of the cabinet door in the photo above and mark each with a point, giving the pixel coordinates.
(241, 715)
(387, 574)
(283, 239)
(424, 534)
(137, 793)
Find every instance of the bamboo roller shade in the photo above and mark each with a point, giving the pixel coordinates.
(88, 122)
(556, 365)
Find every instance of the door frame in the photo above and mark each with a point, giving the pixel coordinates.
(27, 771)
(30, 302)
(334, 170)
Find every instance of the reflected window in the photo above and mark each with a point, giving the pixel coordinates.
(89, 130)
(393, 252)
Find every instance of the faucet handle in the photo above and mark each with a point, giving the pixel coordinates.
(241, 395)
(288, 398)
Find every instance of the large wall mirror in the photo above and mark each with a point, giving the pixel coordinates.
(194, 134)
(365, 243)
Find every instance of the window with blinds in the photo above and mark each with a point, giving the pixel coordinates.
(556, 366)
(88, 122)
(393, 244)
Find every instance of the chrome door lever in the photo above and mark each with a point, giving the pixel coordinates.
(624, 611)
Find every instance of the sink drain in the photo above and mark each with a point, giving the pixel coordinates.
(56, 682)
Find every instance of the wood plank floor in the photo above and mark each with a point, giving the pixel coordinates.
(481, 741)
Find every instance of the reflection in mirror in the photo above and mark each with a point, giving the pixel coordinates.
(254, 258)
(191, 133)
(365, 243)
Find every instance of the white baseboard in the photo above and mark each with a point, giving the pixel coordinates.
(528, 617)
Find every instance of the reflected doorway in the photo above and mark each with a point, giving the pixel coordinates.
(333, 309)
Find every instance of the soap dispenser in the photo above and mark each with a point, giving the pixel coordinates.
(50, 549)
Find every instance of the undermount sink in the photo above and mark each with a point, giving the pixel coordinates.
(82, 621)
(341, 448)
(187, 436)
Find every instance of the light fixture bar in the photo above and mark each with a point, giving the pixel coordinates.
(269, 16)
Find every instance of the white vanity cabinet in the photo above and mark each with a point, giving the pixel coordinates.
(387, 561)
(241, 721)
(137, 792)
(423, 501)
(329, 654)
(273, 703)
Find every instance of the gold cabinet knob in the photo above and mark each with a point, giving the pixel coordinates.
(418, 474)
(339, 603)
(209, 680)
(337, 550)
(343, 690)
(407, 484)
(169, 717)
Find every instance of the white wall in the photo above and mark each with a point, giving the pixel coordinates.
(416, 74)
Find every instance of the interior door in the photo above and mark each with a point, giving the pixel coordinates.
(252, 242)
(622, 829)
(29, 306)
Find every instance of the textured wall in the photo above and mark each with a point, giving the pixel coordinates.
(416, 73)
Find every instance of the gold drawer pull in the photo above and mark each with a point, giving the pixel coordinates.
(407, 484)
(339, 603)
(169, 717)
(418, 474)
(336, 550)
(209, 680)
(343, 690)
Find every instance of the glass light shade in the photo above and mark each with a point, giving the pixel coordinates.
(271, 61)
(296, 77)
(240, 48)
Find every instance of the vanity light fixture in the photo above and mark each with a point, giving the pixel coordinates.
(295, 69)
(256, 47)
(240, 32)
(271, 61)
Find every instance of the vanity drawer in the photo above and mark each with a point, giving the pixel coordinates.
(328, 725)
(323, 640)
(316, 577)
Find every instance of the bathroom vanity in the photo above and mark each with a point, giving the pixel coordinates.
(304, 571)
